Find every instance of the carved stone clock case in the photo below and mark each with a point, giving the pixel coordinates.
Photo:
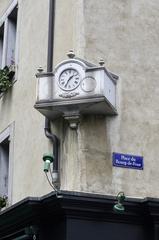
(76, 87)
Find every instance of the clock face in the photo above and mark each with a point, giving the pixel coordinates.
(69, 79)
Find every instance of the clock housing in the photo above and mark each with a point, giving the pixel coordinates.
(75, 88)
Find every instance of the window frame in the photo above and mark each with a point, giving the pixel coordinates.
(8, 133)
(4, 19)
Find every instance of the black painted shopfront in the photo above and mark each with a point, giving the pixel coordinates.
(80, 216)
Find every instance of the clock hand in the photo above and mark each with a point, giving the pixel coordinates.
(69, 80)
(66, 80)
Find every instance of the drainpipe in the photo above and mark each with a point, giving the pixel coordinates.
(47, 128)
(51, 35)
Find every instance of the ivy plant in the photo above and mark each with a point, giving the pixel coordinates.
(3, 202)
(6, 79)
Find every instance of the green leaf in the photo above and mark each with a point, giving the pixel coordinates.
(6, 77)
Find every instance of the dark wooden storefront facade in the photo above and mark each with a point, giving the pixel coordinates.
(80, 216)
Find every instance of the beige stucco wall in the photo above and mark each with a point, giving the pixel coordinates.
(3, 5)
(17, 105)
(125, 34)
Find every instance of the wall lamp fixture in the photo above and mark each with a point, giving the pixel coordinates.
(118, 207)
(48, 160)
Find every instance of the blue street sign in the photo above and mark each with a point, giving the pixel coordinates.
(127, 161)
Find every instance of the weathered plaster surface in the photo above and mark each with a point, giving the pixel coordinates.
(3, 5)
(125, 35)
(17, 105)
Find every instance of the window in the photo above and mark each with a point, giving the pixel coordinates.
(1, 43)
(6, 161)
(8, 30)
(4, 166)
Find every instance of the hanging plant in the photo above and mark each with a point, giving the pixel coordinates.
(6, 78)
(3, 202)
